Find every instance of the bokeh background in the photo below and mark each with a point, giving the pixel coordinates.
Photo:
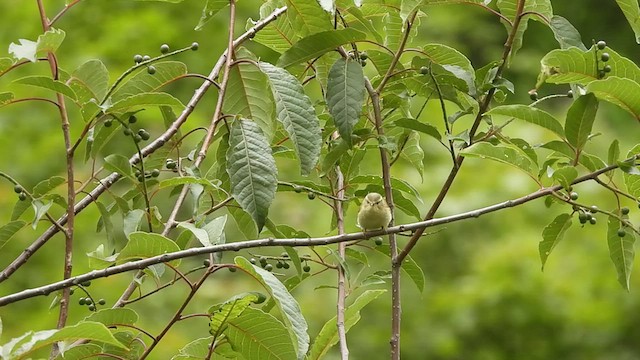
(485, 296)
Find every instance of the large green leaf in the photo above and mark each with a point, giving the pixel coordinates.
(412, 151)
(501, 154)
(120, 164)
(211, 8)
(141, 100)
(316, 45)
(580, 118)
(31, 50)
(565, 33)
(552, 234)
(143, 82)
(531, 115)
(621, 250)
(619, 91)
(453, 61)
(278, 35)
(114, 317)
(8, 230)
(345, 95)
(632, 13)
(247, 95)
(90, 81)
(289, 308)
(48, 83)
(252, 170)
(632, 181)
(259, 336)
(220, 314)
(409, 266)
(144, 245)
(307, 17)
(328, 335)
(508, 8)
(296, 113)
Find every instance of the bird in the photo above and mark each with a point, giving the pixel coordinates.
(374, 213)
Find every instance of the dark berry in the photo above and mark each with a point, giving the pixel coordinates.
(108, 123)
(144, 134)
(86, 283)
(195, 46)
(268, 267)
(18, 189)
(592, 221)
(132, 119)
(155, 173)
(285, 265)
(81, 301)
(278, 265)
(88, 301)
(206, 262)
(378, 241)
(151, 70)
(137, 138)
(71, 291)
(170, 164)
(127, 131)
(601, 45)
(263, 260)
(424, 70)
(297, 188)
(364, 55)
(582, 217)
(607, 68)
(624, 210)
(621, 233)
(311, 195)
(22, 196)
(533, 95)
(232, 268)
(164, 48)
(146, 58)
(92, 307)
(605, 57)
(573, 195)
(601, 74)
(570, 94)
(102, 301)
(253, 261)
(306, 268)
(137, 58)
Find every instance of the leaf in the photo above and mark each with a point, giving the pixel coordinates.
(252, 170)
(30, 50)
(143, 245)
(143, 82)
(278, 35)
(296, 113)
(409, 266)
(5, 98)
(566, 35)
(416, 125)
(145, 99)
(25, 50)
(260, 336)
(614, 152)
(345, 95)
(220, 314)
(580, 118)
(40, 210)
(632, 13)
(131, 221)
(97, 259)
(508, 8)
(632, 181)
(328, 335)
(307, 17)
(246, 94)
(565, 176)
(396, 184)
(316, 45)
(48, 83)
(116, 316)
(210, 234)
(108, 224)
(90, 81)
(413, 152)
(501, 154)
(8, 230)
(531, 115)
(245, 223)
(211, 8)
(552, 234)
(452, 61)
(622, 92)
(621, 250)
(120, 164)
(289, 308)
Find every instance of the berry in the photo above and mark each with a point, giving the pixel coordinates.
(607, 68)
(71, 291)
(164, 48)
(81, 301)
(378, 241)
(573, 195)
(582, 217)
(86, 283)
(570, 94)
(624, 210)
(621, 233)
(18, 189)
(605, 57)
(195, 46)
(263, 260)
(171, 164)
(533, 95)
(127, 131)
(92, 307)
(151, 70)
(311, 195)
(601, 74)
(88, 301)
(601, 45)
(137, 58)
(102, 301)
(297, 189)
(232, 269)
(146, 58)
(108, 123)
(424, 70)
(206, 262)
(155, 173)
(278, 265)
(144, 134)
(285, 265)
(268, 267)
(132, 119)
(137, 138)
(284, 255)
(592, 221)
(364, 55)
(594, 209)
(22, 196)
(253, 261)
(306, 268)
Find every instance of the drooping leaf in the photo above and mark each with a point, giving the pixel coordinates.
(345, 95)
(105, 216)
(453, 61)
(631, 180)
(117, 316)
(508, 8)
(531, 115)
(8, 230)
(316, 45)
(40, 209)
(632, 13)
(30, 50)
(296, 113)
(307, 17)
(622, 92)
(211, 8)
(90, 81)
(416, 125)
(552, 234)
(277, 35)
(252, 170)
(143, 245)
(580, 118)
(413, 152)
(141, 100)
(221, 314)
(501, 154)
(565, 33)
(565, 176)
(48, 83)
(621, 250)
(5, 98)
(410, 267)
(120, 164)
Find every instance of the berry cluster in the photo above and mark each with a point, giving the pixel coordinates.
(282, 262)
(22, 195)
(604, 57)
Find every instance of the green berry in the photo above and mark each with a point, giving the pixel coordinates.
(71, 291)
(285, 265)
(378, 241)
(137, 138)
(137, 58)
(363, 63)
(146, 58)
(22, 196)
(253, 261)
(592, 221)
(311, 195)
(155, 173)
(144, 134)
(92, 307)
(18, 189)
(573, 195)
(621, 233)
(102, 301)
(570, 94)
(170, 164)
(88, 301)
(624, 211)
(86, 283)
(127, 131)
(268, 267)
(594, 209)
(306, 268)
(108, 123)
(582, 217)
(132, 119)
(263, 260)
(533, 95)
(81, 301)
(278, 265)
(601, 74)
(195, 46)
(151, 70)
(601, 45)
(206, 262)
(232, 269)
(164, 48)
(424, 70)
(607, 68)
(605, 57)
(364, 55)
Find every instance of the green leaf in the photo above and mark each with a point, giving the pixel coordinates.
(40, 209)
(409, 266)
(501, 154)
(143, 82)
(565, 176)
(345, 95)
(307, 17)
(5, 64)
(211, 8)
(508, 8)
(621, 250)
(416, 125)
(252, 170)
(632, 13)
(453, 61)
(316, 45)
(108, 224)
(632, 181)
(48, 83)
(186, 180)
(81, 352)
(289, 308)
(614, 152)
(114, 317)
(393, 29)
(552, 234)
(413, 152)
(260, 336)
(120, 164)
(30, 50)
(141, 100)
(296, 113)
(622, 92)
(531, 115)
(580, 118)
(565, 33)
(278, 35)
(8, 230)
(210, 234)
(245, 222)
(396, 184)
(328, 335)
(90, 81)
(5, 98)
(220, 314)
(98, 259)
(143, 245)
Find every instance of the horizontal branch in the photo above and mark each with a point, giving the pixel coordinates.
(295, 242)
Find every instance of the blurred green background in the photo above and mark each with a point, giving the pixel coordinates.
(485, 295)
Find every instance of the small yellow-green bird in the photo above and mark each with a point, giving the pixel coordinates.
(374, 213)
